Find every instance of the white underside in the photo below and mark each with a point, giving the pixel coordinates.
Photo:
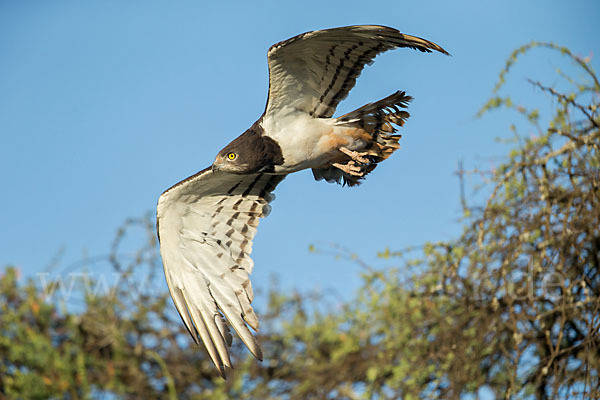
(307, 142)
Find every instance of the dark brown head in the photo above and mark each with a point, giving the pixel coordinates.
(248, 153)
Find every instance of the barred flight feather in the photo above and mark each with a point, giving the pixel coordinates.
(316, 70)
(206, 227)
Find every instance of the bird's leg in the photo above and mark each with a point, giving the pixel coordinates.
(355, 155)
(350, 168)
(357, 165)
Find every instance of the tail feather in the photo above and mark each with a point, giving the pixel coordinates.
(378, 120)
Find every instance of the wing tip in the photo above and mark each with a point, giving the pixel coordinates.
(258, 354)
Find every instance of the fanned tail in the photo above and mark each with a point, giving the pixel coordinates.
(378, 120)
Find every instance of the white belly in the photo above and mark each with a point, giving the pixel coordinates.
(307, 142)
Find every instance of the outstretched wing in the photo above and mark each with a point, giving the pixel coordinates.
(314, 71)
(206, 224)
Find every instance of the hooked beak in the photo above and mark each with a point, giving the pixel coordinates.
(217, 164)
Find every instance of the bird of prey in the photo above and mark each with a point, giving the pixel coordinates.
(206, 223)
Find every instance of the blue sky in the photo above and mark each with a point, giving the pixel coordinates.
(103, 105)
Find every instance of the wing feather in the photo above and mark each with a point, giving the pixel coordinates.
(314, 71)
(206, 225)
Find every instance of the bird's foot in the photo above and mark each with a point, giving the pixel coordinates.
(355, 155)
(350, 168)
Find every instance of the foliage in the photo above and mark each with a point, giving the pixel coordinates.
(512, 305)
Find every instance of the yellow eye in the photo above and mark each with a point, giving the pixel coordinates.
(231, 156)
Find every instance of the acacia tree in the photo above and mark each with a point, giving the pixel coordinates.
(511, 306)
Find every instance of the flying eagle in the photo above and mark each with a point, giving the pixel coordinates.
(206, 222)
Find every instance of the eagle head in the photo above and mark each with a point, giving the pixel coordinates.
(232, 160)
(250, 152)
